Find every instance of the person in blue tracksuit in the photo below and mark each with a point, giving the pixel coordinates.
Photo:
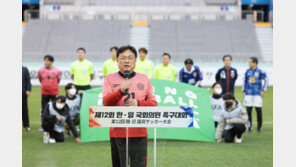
(227, 75)
(190, 74)
(254, 86)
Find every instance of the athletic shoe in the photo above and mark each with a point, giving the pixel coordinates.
(259, 130)
(250, 129)
(41, 129)
(52, 140)
(27, 129)
(45, 137)
(237, 140)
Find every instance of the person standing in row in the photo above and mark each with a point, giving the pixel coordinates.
(190, 74)
(227, 75)
(143, 65)
(49, 77)
(26, 92)
(165, 70)
(132, 90)
(254, 87)
(110, 66)
(82, 71)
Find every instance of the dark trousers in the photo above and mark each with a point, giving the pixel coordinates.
(137, 150)
(44, 100)
(259, 116)
(82, 87)
(25, 113)
(86, 87)
(237, 131)
(48, 126)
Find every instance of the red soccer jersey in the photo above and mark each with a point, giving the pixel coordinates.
(49, 79)
(141, 90)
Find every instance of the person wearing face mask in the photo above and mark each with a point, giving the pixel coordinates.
(73, 101)
(54, 116)
(233, 122)
(217, 102)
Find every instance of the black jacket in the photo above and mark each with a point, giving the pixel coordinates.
(65, 112)
(26, 82)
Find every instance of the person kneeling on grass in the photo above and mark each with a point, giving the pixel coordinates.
(54, 116)
(73, 102)
(233, 121)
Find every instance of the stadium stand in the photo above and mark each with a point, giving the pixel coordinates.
(60, 2)
(140, 2)
(221, 2)
(61, 38)
(204, 41)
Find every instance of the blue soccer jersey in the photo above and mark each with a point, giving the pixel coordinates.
(255, 81)
(190, 77)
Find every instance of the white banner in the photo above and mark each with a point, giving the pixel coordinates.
(140, 116)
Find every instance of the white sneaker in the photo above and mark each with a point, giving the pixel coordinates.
(45, 137)
(237, 140)
(52, 140)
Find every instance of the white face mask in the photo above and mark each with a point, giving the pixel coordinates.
(60, 106)
(72, 91)
(218, 91)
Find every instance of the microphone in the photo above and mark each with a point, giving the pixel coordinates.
(126, 77)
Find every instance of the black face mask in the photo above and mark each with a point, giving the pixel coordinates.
(228, 104)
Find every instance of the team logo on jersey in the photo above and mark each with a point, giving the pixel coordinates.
(223, 75)
(232, 74)
(140, 86)
(185, 76)
(195, 74)
(256, 74)
(115, 85)
(252, 80)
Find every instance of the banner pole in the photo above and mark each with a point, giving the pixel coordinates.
(154, 147)
(126, 146)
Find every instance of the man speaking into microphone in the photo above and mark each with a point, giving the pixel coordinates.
(128, 88)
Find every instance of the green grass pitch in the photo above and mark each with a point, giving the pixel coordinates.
(256, 149)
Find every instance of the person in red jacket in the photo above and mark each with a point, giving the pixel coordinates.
(140, 93)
